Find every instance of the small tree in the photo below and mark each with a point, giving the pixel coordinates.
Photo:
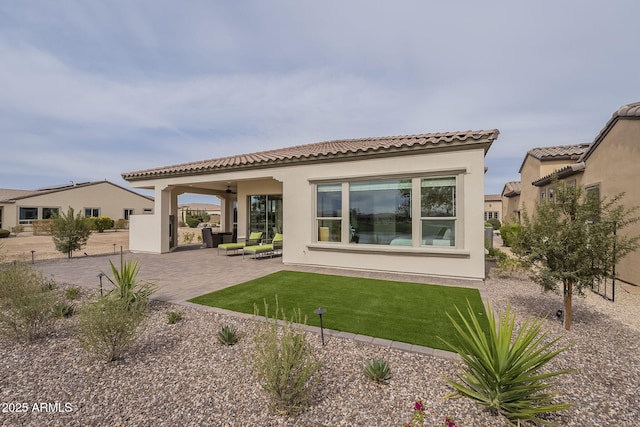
(572, 240)
(70, 232)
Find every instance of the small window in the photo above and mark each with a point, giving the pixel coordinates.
(329, 212)
(127, 214)
(438, 211)
(28, 215)
(147, 211)
(91, 212)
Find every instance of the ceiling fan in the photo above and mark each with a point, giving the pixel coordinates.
(229, 190)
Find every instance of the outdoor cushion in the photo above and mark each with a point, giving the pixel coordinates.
(254, 239)
(269, 248)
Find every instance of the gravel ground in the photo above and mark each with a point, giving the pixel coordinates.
(179, 375)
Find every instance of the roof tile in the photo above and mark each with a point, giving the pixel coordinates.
(321, 150)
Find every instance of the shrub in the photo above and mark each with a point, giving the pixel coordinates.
(109, 326)
(41, 227)
(377, 370)
(70, 231)
(72, 293)
(17, 229)
(285, 364)
(509, 233)
(502, 370)
(102, 223)
(4, 233)
(121, 224)
(26, 303)
(174, 317)
(188, 237)
(228, 335)
(495, 223)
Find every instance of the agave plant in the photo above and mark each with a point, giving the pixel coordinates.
(228, 335)
(503, 371)
(377, 370)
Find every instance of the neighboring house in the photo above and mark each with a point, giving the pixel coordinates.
(100, 198)
(492, 207)
(210, 209)
(511, 203)
(543, 161)
(610, 166)
(404, 203)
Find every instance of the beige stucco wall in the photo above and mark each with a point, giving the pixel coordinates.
(510, 209)
(110, 199)
(533, 169)
(297, 185)
(614, 165)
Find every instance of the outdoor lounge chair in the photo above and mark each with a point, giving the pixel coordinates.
(253, 240)
(266, 249)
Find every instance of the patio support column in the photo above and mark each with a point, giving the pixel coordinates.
(163, 199)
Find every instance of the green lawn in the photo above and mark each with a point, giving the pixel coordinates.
(399, 311)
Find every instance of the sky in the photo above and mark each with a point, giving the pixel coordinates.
(91, 89)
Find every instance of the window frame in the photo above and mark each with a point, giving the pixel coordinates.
(417, 246)
(127, 212)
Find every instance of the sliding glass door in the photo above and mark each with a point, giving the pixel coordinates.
(265, 214)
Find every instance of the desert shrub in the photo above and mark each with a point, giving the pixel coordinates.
(228, 335)
(284, 363)
(101, 223)
(4, 233)
(72, 293)
(502, 370)
(121, 224)
(41, 227)
(174, 317)
(109, 326)
(509, 233)
(377, 370)
(188, 237)
(26, 303)
(496, 254)
(495, 223)
(508, 266)
(17, 229)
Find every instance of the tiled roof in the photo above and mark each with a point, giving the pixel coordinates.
(558, 152)
(511, 188)
(7, 195)
(564, 172)
(492, 198)
(326, 151)
(10, 196)
(629, 111)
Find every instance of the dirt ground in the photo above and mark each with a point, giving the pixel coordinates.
(19, 247)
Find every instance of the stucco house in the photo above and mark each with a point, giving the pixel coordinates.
(98, 198)
(403, 203)
(538, 162)
(511, 202)
(609, 166)
(493, 207)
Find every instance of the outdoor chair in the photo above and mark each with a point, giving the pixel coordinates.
(266, 249)
(253, 240)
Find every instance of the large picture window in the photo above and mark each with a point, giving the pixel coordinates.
(28, 215)
(380, 211)
(414, 212)
(329, 212)
(438, 211)
(48, 213)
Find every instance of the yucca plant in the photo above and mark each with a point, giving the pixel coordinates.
(377, 370)
(126, 285)
(503, 371)
(228, 335)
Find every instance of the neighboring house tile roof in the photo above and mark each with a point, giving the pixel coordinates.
(558, 152)
(492, 198)
(561, 173)
(511, 188)
(11, 196)
(628, 112)
(329, 150)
